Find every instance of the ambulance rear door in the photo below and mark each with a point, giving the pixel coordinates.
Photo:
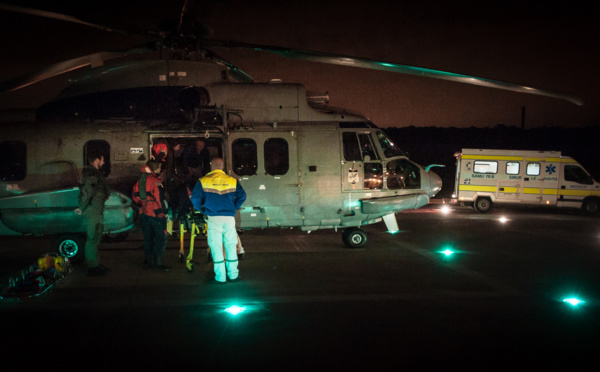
(540, 182)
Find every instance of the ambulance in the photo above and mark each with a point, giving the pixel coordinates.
(513, 177)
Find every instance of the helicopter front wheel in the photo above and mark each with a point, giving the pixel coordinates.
(354, 237)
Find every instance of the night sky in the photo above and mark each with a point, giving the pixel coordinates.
(552, 46)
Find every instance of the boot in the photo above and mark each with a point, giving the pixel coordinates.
(147, 262)
(159, 265)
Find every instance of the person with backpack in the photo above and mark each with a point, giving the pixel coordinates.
(149, 194)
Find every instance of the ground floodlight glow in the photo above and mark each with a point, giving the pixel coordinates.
(448, 252)
(235, 310)
(573, 301)
(503, 219)
(445, 209)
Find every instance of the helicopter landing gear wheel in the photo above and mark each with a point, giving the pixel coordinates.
(71, 246)
(354, 237)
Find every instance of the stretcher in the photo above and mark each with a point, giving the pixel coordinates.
(194, 222)
(38, 278)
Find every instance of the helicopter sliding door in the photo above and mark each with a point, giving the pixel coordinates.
(267, 166)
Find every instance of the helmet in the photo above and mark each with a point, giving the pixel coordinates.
(159, 151)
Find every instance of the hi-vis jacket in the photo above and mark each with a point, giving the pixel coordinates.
(153, 203)
(217, 194)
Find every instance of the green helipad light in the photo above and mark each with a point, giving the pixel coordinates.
(448, 252)
(573, 301)
(235, 310)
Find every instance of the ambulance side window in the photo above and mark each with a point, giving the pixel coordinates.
(13, 160)
(277, 157)
(533, 169)
(512, 167)
(244, 157)
(485, 166)
(574, 173)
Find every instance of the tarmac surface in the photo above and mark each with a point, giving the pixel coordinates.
(310, 303)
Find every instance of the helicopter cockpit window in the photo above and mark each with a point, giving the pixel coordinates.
(277, 159)
(98, 146)
(244, 157)
(373, 176)
(13, 160)
(402, 174)
(389, 148)
(366, 147)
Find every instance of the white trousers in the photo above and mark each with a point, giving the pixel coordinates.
(221, 232)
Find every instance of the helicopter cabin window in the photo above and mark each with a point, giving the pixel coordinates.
(574, 173)
(97, 146)
(277, 159)
(533, 169)
(244, 156)
(402, 174)
(13, 160)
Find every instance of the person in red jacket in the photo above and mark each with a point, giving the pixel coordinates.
(149, 193)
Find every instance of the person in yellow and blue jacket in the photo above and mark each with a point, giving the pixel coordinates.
(218, 196)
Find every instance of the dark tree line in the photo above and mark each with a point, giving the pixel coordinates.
(433, 145)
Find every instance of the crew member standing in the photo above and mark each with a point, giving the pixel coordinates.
(149, 193)
(218, 196)
(93, 193)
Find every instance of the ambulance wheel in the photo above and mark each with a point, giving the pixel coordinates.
(591, 207)
(483, 205)
(354, 237)
(71, 246)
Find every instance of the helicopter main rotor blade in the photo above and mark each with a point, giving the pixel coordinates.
(398, 68)
(58, 16)
(93, 60)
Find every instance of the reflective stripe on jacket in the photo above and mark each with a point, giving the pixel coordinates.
(218, 194)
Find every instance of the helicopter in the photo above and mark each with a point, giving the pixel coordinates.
(303, 163)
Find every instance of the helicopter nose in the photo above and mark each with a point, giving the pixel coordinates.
(435, 184)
